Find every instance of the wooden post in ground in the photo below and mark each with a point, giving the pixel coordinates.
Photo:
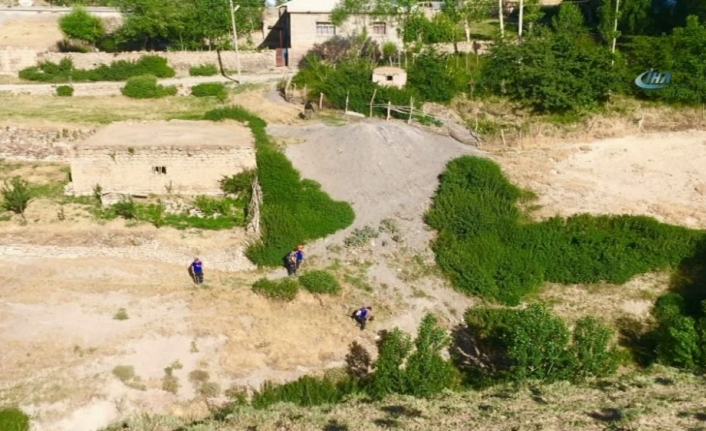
(306, 96)
(347, 94)
(371, 102)
(321, 101)
(411, 110)
(389, 108)
(502, 135)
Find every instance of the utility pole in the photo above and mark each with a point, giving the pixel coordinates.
(501, 13)
(615, 27)
(522, 10)
(235, 34)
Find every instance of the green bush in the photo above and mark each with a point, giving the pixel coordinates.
(679, 338)
(120, 70)
(306, 392)
(210, 89)
(81, 25)
(146, 87)
(65, 91)
(320, 282)
(13, 419)
(203, 70)
(219, 214)
(422, 372)
(281, 290)
(487, 247)
(16, 195)
(431, 77)
(294, 210)
(533, 344)
(239, 185)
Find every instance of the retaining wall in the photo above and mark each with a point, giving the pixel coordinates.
(12, 60)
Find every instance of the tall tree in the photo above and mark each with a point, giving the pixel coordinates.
(464, 12)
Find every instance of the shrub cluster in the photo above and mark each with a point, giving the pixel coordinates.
(403, 367)
(487, 247)
(203, 70)
(679, 338)
(146, 87)
(533, 344)
(294, 210)
(65, 91)
(218, 214)
(120, 70)
(210, 89)
(318, 281)
(13, 419)
(285, 289)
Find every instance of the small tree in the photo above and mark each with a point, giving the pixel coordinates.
(81, 25)
(16, 195)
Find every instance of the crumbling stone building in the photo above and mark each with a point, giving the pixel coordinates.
(180, 157)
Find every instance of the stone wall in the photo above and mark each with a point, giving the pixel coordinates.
(45, 144)
(189, 171)
(12, 60)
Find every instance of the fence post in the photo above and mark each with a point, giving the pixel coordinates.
(411, 110)
(321, 100)
(389, 107)
(347, 94)
(305, 92)
(371, 102)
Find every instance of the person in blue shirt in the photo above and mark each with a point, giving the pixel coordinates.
(294, 260)
(362, 316)
(197, 271)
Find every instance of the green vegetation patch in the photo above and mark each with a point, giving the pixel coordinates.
(13, 419)
(318, 281)
(215, 213)
(210, 89)
(65, 91)
(120, 70)
(285, 289)
(203, 70)
(294, 210)
(487, 246)
(146, 87)
(534, 344)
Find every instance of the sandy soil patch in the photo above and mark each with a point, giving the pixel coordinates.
(40, 33)
(659, 175)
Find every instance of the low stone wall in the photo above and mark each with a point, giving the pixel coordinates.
(12, 60)
(45, 144)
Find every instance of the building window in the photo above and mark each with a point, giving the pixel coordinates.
(379, 28)
(325, 29)
(162, 170)
(390, 78)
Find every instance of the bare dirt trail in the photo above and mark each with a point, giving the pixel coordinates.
(387, 171)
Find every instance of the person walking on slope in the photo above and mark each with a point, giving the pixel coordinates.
(362, 315)
(197, 271)
(294, 260)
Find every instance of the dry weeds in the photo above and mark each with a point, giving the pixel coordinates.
(661, 399)
(621, 117)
